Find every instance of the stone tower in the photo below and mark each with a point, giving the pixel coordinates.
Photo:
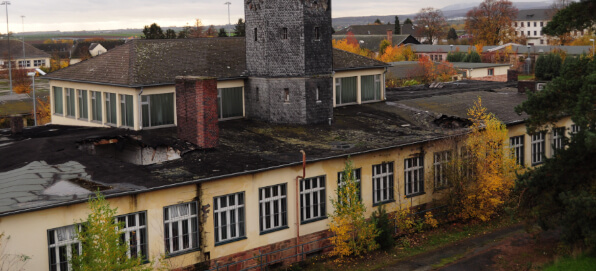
(289, 58)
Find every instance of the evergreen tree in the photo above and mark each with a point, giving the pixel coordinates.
(222, 33)
(240, 28)
(548, 66)
(183, 34)
(473, 57)
(451, 34)
(170, 34)
(377, 21)
(397, 29)
(152, 32)
(408, 21)
(456, 56)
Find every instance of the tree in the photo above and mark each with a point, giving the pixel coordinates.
(8, 260)
(575, 16)
(354, 235)
(482, 178)
(431, 24)
(351, 45)
(240, 28)
(433, 72)
(198, 31)
(222, 33)
(562, 192)
(102, 248)
(472, 57)
(170, 34)
(211, 31)
(548, 66)
(397, 29)
(451, 34)
(456, 56)
(377, 22)
(397, 53)
(152, 32)
(408, 21)
(383, 45)
(184, 33)
(491, 22)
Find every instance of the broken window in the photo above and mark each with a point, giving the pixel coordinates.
(382, 177)
(273, 208)
(181, 227)
(228, 217)
(441, 162)
(134, 233)
(62, 245)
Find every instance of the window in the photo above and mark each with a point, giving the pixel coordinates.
(317, 97)
(62, 244)
(96, 106)
(39, 62)
(382, 177)
(558, 135)
(517, 144)
(312, 199)
(257, 94)
(441, 160)
(541, 24)
(70, 102)
(273, 208)
(356, 173)
(230, 103)
(538, 148)
(522, 24)
(370, 86)
(516, 33)
(317, 33)
(535, 33)
(126, 112)
(534, 24)
(134, 233)
(111, 108)
(440, 57)
(515, 24)
(83, 105)
(528, 32)
(228, 217)
(286, 95)
(255, 33)
(345, 90)
(414, 176)
(491, 72)
(157, 109)
(24, 63)
(541, 41)
(574, 129)
(58, 102)
(181, 227)
(284, 33)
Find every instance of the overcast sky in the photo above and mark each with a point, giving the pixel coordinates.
(69, 15)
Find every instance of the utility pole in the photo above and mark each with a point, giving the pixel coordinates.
(229, 22)
(6, 3)
(23, 34)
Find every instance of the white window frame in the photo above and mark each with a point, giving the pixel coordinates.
(68, 242)
(557, 142)
(94, 95)
(24, 63)
(173, 215)
(220, 212)
(70, 92)
(517, 144)
(129, 231)
(80, 103)
(108, 108)
(311, 193)
(538, 148)
(269, 203)
(414, 175)
(357, 172)
(575, 129)
(383, 181)
(124, 113)
(441, 159)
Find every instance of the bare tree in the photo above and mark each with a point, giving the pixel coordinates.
(491, 22)
(431, 24)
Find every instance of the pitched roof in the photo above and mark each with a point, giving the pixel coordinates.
(372, 42)
(404, 69)
(16, 49)
(533, 15)
(367, 29)
(408, 29)
(468, 65)
(158, 62)
(429, 48)
(343, 60)
(93, 45)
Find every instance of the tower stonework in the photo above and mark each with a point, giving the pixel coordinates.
(289, 58)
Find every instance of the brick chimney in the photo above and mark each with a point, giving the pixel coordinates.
(196, 110)
(16, 124)
(390, 37)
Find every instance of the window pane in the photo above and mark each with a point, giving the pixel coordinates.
(231, 102)
(348, 90)
(367, 86)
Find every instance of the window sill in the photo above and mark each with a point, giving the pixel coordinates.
(58, 114)
(313, 220)
(97, 121)
(537, 164)
(319, 102)
(230, 241)
(383, 202)
(70, 117)
(178, 253)
(158, 126)
(274, 230)
(415, 194)
(83, 119)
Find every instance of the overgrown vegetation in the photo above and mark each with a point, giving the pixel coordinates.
(548, 66)
(9, 261)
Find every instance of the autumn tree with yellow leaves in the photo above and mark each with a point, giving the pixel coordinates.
(481, 178)
(353, 234)
(491, 22)
(397, 53)
(350, 44)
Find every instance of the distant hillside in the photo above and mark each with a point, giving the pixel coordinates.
(450, 12)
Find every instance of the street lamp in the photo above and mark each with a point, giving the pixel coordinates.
(592, 40)
(229, 22)
(23, 22)
(32, 74)
(6, 3)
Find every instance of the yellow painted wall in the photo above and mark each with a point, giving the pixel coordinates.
(28, 231)
(358, 73)
(482, 72)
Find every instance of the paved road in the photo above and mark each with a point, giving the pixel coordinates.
(480, 261)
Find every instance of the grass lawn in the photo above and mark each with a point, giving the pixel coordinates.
(580, 263)
(414, 245)
(525, 77)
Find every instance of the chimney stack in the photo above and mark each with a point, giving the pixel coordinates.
(390, 37)
(16, 124)
(196, 110)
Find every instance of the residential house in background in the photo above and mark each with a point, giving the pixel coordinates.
(529, 24)
(96, 49)
(32, 58)
(83, 50)
(370, 36)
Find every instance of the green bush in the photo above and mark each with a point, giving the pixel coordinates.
(474, 57)
(382, 222)
(548, 66)
(456, 56)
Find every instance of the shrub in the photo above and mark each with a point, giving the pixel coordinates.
(382, 221)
